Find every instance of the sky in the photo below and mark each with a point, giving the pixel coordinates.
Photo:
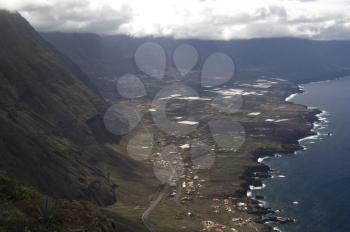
(204, 19)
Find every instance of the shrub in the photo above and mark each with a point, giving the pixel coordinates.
(49, 216)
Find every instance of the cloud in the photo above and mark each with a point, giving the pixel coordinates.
(71, 15)
(207, 19)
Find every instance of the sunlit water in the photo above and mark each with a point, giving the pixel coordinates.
(318, 178)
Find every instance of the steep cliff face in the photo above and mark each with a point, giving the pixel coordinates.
(47, 106)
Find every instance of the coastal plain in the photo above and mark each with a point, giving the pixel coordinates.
(216, 196)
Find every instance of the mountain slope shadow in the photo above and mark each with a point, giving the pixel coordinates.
(50, 118)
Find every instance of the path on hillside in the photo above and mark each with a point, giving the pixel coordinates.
(145, 215)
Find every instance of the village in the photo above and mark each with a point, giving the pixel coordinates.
(190, 188)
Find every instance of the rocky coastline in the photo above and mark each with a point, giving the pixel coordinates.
(256, 175)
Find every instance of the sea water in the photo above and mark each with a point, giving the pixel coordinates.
(313, 185)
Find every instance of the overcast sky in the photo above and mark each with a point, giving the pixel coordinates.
(207, 19)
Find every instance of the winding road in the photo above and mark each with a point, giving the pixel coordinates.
(145, 215)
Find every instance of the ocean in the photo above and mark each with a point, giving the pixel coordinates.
(313, 185)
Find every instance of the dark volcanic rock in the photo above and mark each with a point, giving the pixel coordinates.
(279, 220)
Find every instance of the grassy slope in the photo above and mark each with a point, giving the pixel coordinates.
(25, 209)
(52, 138)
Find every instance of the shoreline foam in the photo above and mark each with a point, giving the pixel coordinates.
(320, 122)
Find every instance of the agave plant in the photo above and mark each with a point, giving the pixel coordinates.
(49, 214)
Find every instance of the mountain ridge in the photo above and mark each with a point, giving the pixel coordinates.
(46, 113)
(298, 60)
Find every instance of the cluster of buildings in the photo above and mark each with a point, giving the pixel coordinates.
(216, 227)
(190, 185)
(212, 226)
(227, 206)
